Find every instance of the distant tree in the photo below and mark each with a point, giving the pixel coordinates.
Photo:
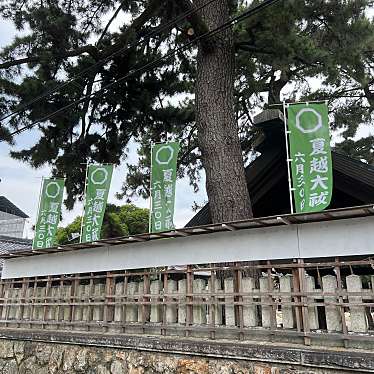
(135, 219)
(118, 221)
(64, 234)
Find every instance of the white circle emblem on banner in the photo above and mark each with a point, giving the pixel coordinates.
(317, 126)
(170, 149)
(103, 179)
(53, 194)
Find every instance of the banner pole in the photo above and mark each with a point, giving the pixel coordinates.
(150, 193)
(288, 160)
(37, 216)
(84, 202)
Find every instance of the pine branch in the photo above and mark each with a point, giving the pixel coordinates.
(137, 24)
(109, 23)
(34, 59)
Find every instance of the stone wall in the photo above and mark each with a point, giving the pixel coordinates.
(26, 357)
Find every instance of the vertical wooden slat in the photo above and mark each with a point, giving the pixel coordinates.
(304, 301)
(108, 315)
(212, 307)
(25, 284)
(60, 310)
(164, 306)
(145, 308)
(73, 298)
(239, 298)
(273, 320)
(296, 289)
(9, 287)
(124, 300)
(341, 301)
(2, 285)
(46, 300)
(33, 296)
(189, 300)
(90, 296)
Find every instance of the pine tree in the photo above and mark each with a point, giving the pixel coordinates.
(239, 70)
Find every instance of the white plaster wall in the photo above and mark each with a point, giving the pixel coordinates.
(323, 239)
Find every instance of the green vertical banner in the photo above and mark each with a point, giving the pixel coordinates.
(310, 155)
(163, 179)
(97, 190)
(49, 213)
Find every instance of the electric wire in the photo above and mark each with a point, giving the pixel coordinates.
(150, 65)
(103, 61)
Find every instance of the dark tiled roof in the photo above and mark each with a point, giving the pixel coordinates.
(10, 244)
(352, 177)
(8, 207)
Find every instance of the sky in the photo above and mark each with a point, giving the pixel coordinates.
(21, 184)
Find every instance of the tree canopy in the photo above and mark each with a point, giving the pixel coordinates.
(118, 221)
(293, 50)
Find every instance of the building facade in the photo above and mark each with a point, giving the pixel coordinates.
(12, 219)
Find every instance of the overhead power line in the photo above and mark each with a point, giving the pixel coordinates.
(250, 12)
(103, 61)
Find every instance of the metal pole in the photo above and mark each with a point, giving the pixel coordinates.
(286, 132)
(84, 202)
(309, 102)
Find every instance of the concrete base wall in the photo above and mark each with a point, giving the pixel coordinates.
(46, 352)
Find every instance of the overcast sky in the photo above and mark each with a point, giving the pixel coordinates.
(21, 184)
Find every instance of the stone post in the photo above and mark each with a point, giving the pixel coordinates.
(310, 286)
(27, 308)
(20, 299)
(98, 310)
(78, 309)
(358, 315)
(118, 309)
(13, 297)
(85, 297)
(217, 308)
(139, 299)
(38, 310)
(266, 308)
(52, 309)
(131, 310)
(171, 310)
(229, 302)
(285, 285)
(66, 291)
(333, 318)
(199, 311)
(156, 310)
(250, 317)
(182, 301)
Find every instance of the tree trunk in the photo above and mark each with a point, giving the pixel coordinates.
(216, 122)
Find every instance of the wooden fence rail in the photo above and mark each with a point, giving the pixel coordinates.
(299, 300)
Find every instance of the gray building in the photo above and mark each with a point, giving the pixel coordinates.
(12, 219)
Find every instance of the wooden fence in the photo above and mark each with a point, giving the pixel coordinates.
(305, 301)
